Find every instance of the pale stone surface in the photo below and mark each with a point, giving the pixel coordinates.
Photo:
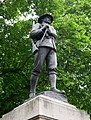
(47, 109)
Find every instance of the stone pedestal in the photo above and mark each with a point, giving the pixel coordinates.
(43, 107)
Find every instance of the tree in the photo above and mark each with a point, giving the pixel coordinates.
(72, 20)
(75, 52)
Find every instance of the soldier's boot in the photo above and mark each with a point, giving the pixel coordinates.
(52, 80)
(33, 83)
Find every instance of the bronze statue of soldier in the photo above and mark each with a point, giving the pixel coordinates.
(44, 48)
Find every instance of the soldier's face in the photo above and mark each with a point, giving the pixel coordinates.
(47, 20)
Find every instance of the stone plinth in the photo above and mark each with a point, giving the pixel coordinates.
(43, 107)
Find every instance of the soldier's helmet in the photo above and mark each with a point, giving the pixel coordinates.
(43, 16)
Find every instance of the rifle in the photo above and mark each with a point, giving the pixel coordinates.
(34, 47)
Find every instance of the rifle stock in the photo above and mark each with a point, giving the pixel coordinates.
(34, 47)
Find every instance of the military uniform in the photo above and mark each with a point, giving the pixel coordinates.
(46, 51)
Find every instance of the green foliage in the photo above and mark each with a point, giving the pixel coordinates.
(72, 20)
(74, 58)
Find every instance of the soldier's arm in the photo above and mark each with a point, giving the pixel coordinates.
(37, 31)
(52, 32)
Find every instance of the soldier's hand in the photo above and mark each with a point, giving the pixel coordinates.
(44, 27)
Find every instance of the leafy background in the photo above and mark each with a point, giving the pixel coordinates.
(72, 20)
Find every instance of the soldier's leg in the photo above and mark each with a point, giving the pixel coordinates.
(52, 66)
(38, 64)
(51, 62)
(33, 83)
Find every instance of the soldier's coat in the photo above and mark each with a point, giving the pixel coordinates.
(37, 34)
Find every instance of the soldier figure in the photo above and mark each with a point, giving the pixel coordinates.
(44, 39)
